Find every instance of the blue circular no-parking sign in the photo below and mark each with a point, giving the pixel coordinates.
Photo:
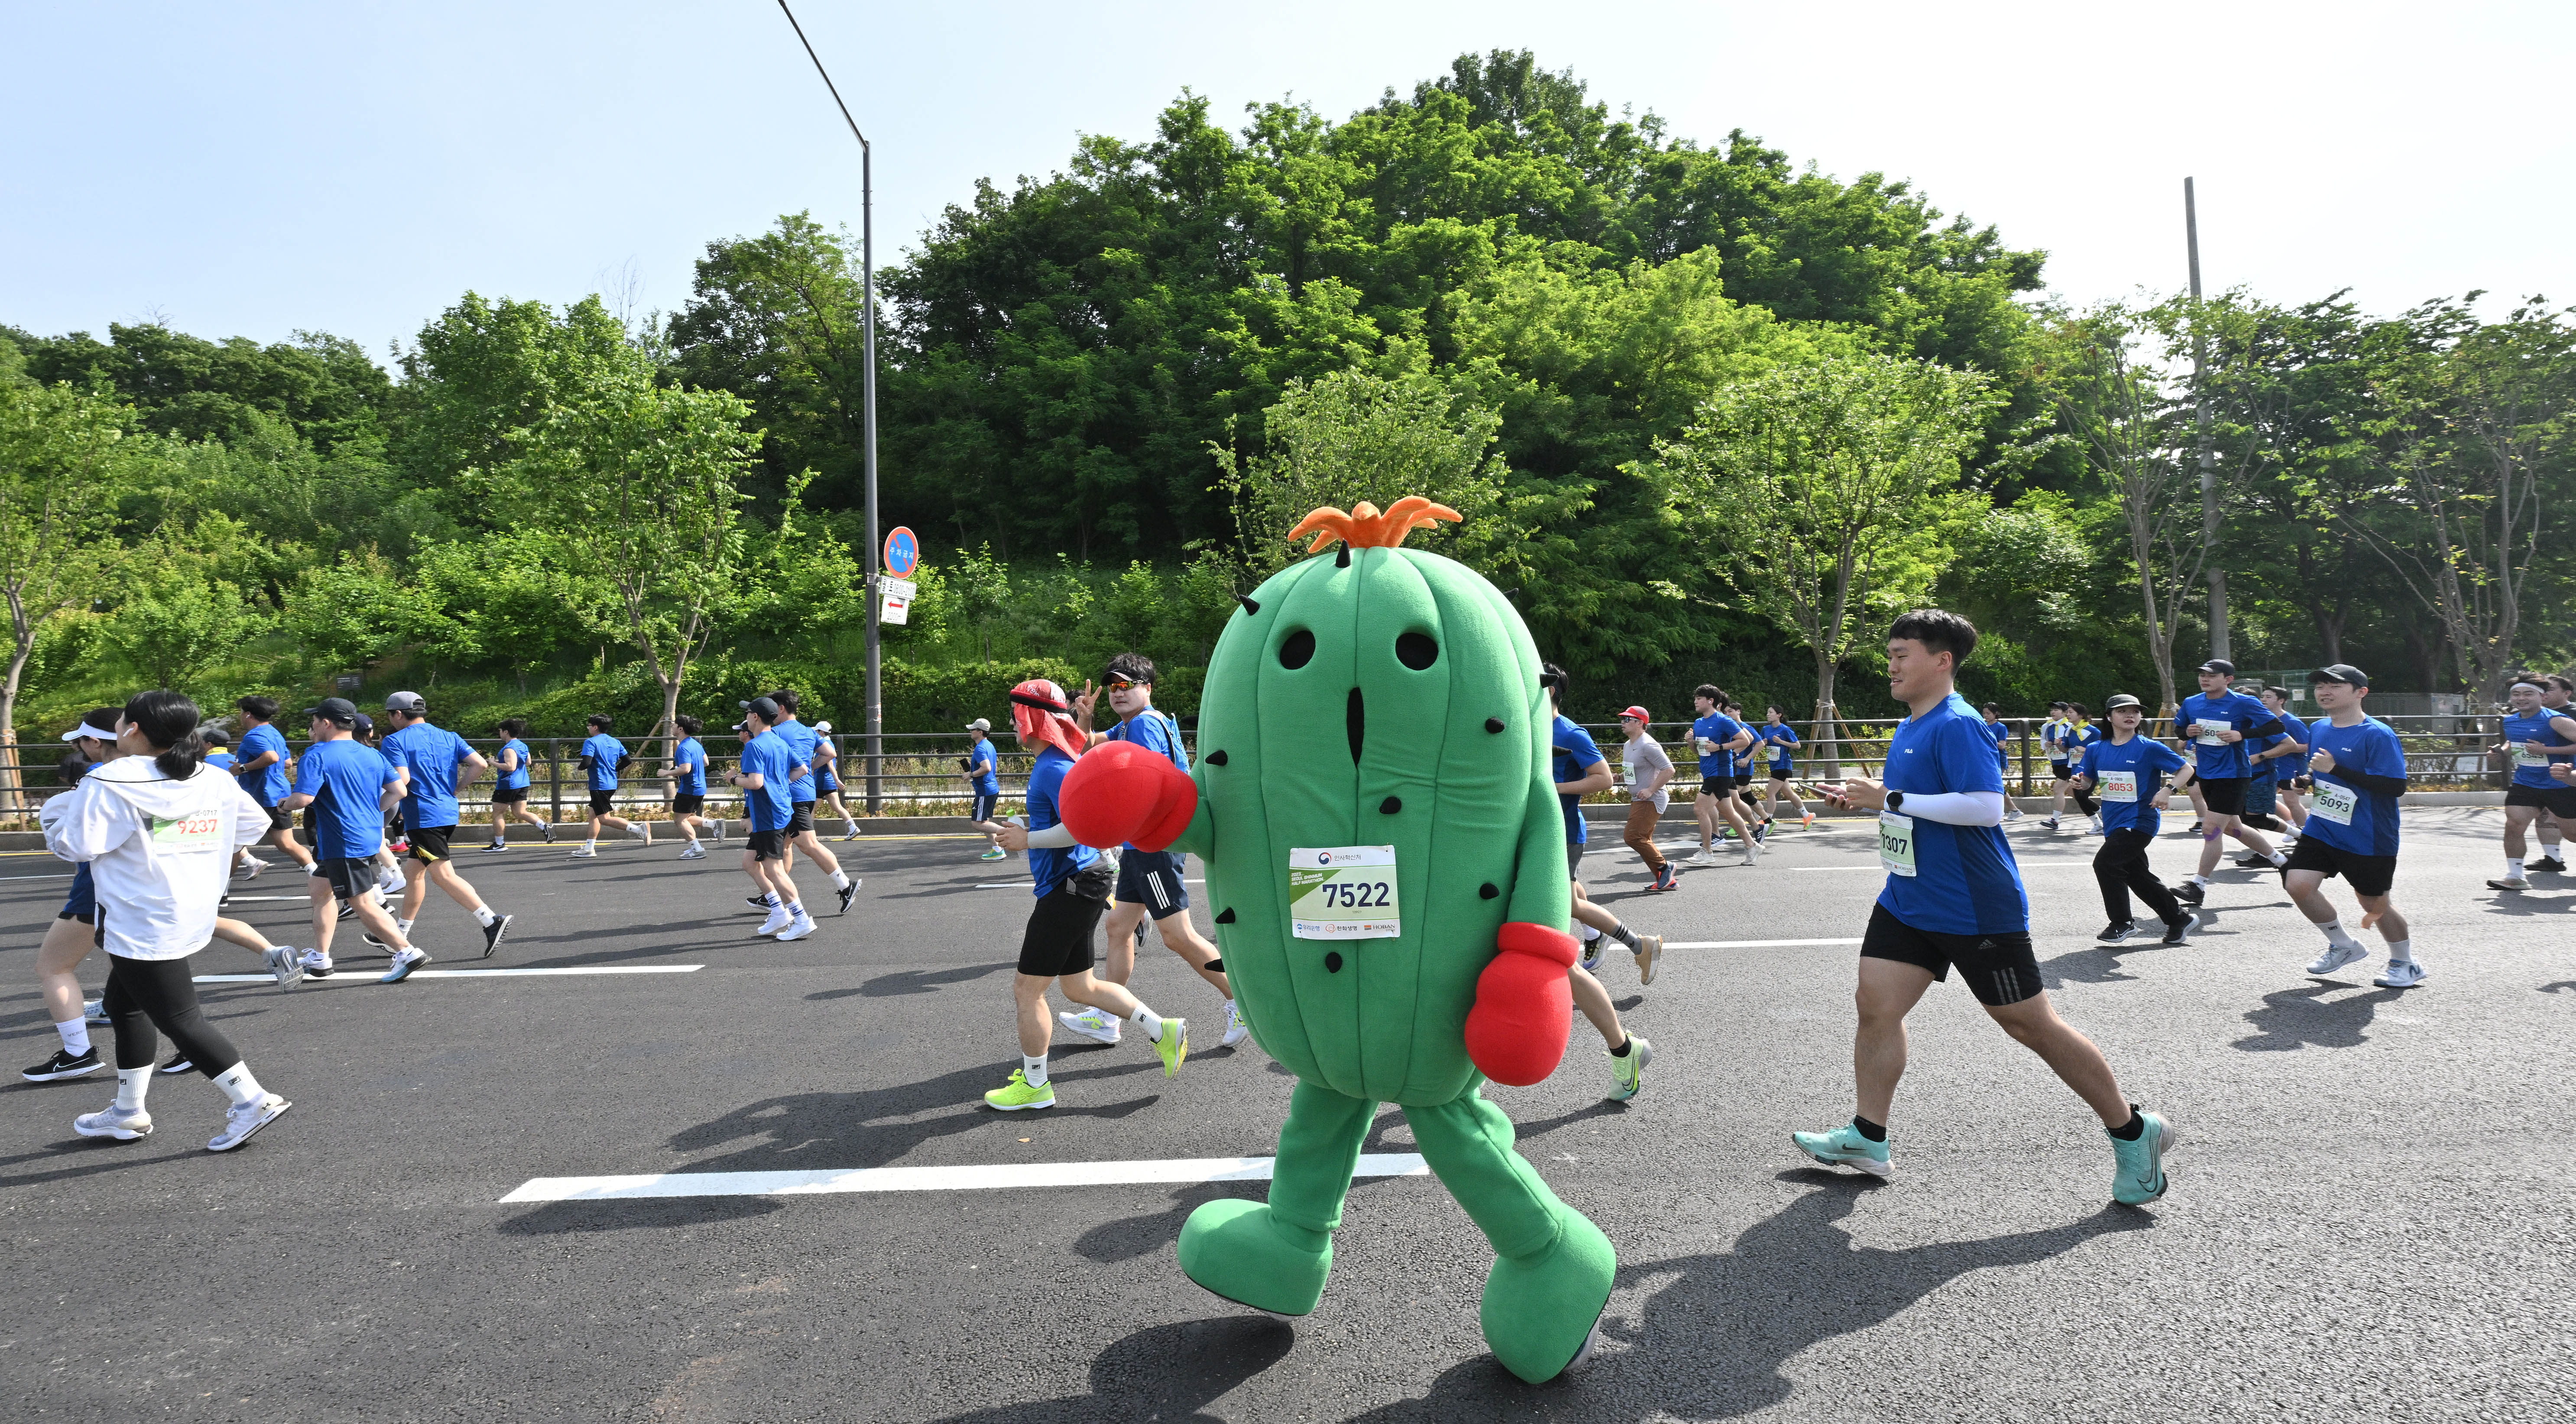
(902, 552)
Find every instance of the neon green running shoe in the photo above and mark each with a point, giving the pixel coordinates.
(1017, 1096)
(2140, 1176)
(1628, 1070)
(1845, 1147)
(1174, 1045)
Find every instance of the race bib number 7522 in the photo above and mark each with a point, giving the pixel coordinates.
(1343, 892)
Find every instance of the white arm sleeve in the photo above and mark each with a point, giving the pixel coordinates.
(1956, 808)
(1060, 835)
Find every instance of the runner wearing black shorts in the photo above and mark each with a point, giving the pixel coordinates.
(74, 932)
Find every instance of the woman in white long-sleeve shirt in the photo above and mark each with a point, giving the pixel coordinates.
(158, 830)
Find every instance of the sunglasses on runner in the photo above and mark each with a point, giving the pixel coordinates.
(1122, 686)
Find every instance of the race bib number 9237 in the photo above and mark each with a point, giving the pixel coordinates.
(186, 833)
(1343, 892)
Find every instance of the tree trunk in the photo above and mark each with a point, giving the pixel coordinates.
(1828, 722)
(12, 773)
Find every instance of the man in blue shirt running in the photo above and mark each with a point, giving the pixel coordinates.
(2214, 725)
(1149, 881)
(1716, 737)
(260, 767)
(813, 755)
(2001, 732)
(350, 787)
(1782, 740)
(687, 774)
(431, 765)
(2285, 761)
(1954, 897)
(2360, 770)
(602, 758)
(510, 784)
(982, 770)
(766, 771)
(2534, 737)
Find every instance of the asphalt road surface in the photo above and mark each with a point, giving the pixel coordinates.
(2369, 1219)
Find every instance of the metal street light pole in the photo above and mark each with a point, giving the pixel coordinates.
(2216, 572)
(867, 418)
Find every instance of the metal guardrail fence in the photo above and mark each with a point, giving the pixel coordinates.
(920, 771)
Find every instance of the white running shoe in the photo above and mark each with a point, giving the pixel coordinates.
(2401, 974)
(2097, 825)
(850, 830)
(2336, 957)
(1236, 1030)
(116, 1122)
(584, 851)
(317, 965)
(389, 883)
(641, 830)
(1092, 1024)
(243, 1119)
(694, 852)
(283, 963)
(798, 927)
(94, 1011)
(778, 920)
(252, 866)
(405, 961)
(1702, 856)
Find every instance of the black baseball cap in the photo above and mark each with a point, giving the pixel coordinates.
(338, 710)
(2341, 672)
(2219, 665)
(762, 708)
(2120, 700)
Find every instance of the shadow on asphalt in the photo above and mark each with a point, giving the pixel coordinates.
(2560, 987)
(1717, 1328)
(1170, 1373)
(560, 1218)
(2304, 1017)
(868, 1128)
(914, 981)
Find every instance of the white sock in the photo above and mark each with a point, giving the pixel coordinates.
(404, 927)
(2401, 951)
(1152, 1022)
(2337, 935)
(483, 916)
(840, 880)
(75, 1032)
(131, 1083)
(795, 909)
(1033, 1069)
(2513, 870)
(239, 1085)
(1588, 932)
(2200, 880)
(591, 844)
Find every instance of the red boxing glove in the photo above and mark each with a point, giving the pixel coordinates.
(1122, 794)
(1516, 1032)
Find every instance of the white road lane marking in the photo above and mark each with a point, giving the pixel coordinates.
(1881, 870)
(934, 1179)
(1750, 943)
(368, 973)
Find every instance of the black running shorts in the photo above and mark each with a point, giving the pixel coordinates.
(985, 801)
(600, 801)
(687, 803)
(1152, 878)
(1573, 858)
(1058, 939)
(2061, 770)
(508, 795)
(82, 903)
(2223, 795)
(2366, 874)
(278, 820)
(429, 844)
(2000, 969)
(1716, 785)
(767, 845)
(801, 820)
(348, 879)
(1780, 774)
(2556, 800)
(1744, 781)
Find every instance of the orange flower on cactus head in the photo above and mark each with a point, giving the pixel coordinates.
(1366, 528)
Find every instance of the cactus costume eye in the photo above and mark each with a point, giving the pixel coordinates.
(1375, 719)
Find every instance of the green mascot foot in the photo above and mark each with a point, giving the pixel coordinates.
(1540, 1310)
(1241, 1251)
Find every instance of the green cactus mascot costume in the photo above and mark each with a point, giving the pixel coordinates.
(1386, 863)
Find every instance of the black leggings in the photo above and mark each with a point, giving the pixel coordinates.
(145, 993)
(2121, 866)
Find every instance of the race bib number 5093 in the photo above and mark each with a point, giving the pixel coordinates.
(1343, 892)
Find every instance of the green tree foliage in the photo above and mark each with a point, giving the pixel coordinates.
(323, 388)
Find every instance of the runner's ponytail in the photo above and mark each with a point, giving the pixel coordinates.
(168, 720)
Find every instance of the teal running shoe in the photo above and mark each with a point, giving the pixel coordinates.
(1845, 1147)
(2140, 1176)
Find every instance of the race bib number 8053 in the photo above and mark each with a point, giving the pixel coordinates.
(1343, 892)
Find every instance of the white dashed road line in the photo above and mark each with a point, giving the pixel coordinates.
(934, 1179)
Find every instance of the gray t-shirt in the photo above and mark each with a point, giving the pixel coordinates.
(1644, 757)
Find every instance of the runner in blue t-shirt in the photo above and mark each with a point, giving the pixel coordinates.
(1072, 883)
(1715, 736)
(2001, 732)
(1150, 882)
(2287, 761)
(511, 761)
(260, 767)
(350, 787)
(827, 780)
(686, 771)
(1782, 740)
(1580, 769)
(602, 758)
(1954, 897)
(982, 770)
(813, 756)
(2216, 724)
(2130, 770)
(766, 774)
(2075, 734)
(1748, 770)
(433, 764)
(2359, 768)
(2535, 737)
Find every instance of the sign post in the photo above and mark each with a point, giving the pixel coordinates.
(895, 589)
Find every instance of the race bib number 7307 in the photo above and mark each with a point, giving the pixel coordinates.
(1343, 892)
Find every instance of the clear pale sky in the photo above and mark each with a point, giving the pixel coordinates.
(249, 169)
